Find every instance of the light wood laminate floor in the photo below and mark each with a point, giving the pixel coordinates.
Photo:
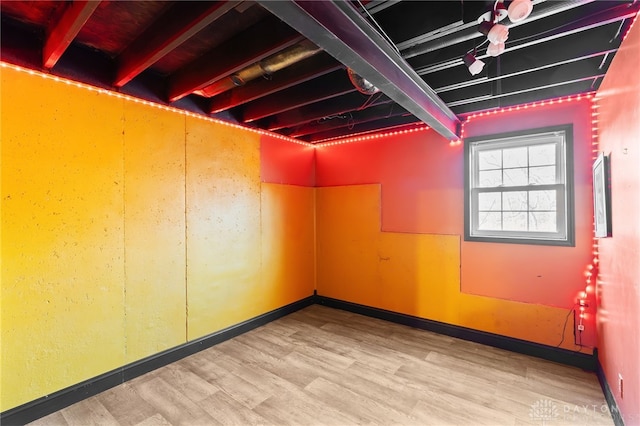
(321, 366)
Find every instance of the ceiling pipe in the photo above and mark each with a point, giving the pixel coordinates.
(278, 61)
(287, 57)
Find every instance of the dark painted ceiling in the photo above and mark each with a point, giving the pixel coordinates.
(272, 64)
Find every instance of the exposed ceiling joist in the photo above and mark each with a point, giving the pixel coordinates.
(551, 92)
(386, 124)
(329, 86)
(598, 20)
(350, 102)
(606, 17)
(566, 74)
(65, 30)
(504, 75)
(469, 31)
(235, 59)
(266, 38)
(308, 69)
(341, 31)
(530, 89)
(375, 6)
(349, 119)
(173, 28)
(542, 56)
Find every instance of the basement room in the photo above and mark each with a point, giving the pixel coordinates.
(345, 212)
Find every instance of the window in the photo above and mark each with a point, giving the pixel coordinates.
(518, 187)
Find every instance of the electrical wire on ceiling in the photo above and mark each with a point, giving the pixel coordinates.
(363, 85)
(477, 46)
(331, 117)
(619, 31)
(372, 98)
(390, 110)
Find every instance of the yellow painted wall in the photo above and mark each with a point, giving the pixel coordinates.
(223, 226)
(242, 259)
(288, 247)
(154, 166)
(62, 237)
(414, 274)
(127, 230)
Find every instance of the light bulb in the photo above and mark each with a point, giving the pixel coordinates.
(474, 65)
(495, 49)
(519, 10)
(498, 34)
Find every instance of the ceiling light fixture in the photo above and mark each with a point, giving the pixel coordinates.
(495, 14)
(474, 65)
(363, 85)
(519, 10)
(496, 33)
(495, 49)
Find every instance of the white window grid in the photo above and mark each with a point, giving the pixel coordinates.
(559, 186)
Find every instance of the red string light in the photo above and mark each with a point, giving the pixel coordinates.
(340, 140)
(147, 103)
(624, 37)
(591, 270)
(471, 116)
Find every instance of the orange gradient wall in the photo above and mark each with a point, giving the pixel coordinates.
(128, 230)
(404, 249)
(619, 280)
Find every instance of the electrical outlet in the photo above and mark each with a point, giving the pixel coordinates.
(580, 327)
(620, 386)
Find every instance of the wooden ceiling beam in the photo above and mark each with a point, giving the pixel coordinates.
(372, 126)
(349, 119)
(264, 39)
(178, 24)
(65, 30)
(301, 72)
(316, 111)
(329, 86)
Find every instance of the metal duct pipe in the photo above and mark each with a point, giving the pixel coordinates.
(267, 66)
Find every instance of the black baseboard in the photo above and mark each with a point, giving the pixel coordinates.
(57, 401)
(608, 396)
(46, 405)
(563, 356)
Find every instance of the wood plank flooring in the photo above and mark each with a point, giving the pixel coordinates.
(321, 366)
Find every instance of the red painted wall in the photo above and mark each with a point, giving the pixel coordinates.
(285, 162)
(537, 274)
(422, 192)
(619, 281)
(416, 170)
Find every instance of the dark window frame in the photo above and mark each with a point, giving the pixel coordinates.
(569, 198)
